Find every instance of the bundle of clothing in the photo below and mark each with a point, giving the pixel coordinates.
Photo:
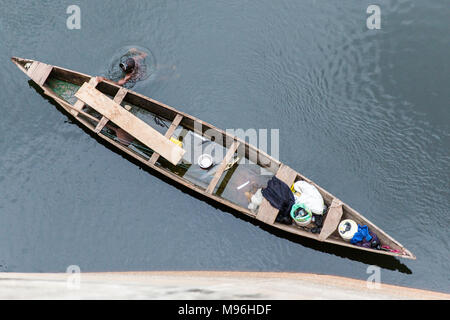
(281, 197)
(365, 238)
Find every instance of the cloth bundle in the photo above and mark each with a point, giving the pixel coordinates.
(281, 197)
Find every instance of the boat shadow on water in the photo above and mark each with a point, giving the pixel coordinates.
(385, 262)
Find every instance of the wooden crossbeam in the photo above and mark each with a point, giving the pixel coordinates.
(101, 124)
(130, 123)
(286, 174)
(168, 134)
(332, 219)
(78, 105)
(222, 166)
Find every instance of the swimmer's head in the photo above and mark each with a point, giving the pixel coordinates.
(128, 65)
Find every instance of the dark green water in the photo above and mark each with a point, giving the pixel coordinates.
(364, 113)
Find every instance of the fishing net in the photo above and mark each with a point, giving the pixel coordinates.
(65, 90)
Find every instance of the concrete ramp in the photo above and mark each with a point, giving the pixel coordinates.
(195, 285)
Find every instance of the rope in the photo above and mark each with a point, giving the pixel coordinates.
(160, 121)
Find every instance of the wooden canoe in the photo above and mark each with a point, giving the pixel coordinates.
(238, 166)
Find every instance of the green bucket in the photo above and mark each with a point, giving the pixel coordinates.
(301, 220)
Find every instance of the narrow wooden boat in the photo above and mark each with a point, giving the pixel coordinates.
(141, 127)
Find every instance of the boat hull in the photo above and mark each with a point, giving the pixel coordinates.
(342, 209)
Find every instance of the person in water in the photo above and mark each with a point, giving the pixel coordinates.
(130, 67)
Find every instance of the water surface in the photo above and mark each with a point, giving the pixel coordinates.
(363, 113)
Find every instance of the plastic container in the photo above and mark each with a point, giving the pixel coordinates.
(304, 223)
(205, 161)
(347, 229)
(177, 142)
(301, 220)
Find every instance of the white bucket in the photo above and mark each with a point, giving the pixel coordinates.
(303, 223)
(205, 161)
(344, 231)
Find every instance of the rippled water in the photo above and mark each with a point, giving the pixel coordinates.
(364, 113)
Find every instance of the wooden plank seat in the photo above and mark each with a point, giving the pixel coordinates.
(120, 95)
(332, 219)
(39, 72)
(130, 123)
(266, 212)
(222, 166)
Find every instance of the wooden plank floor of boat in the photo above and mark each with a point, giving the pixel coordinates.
(266, 212)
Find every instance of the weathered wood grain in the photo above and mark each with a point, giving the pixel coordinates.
(130, 123)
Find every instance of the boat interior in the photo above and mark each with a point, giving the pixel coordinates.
(246, 170)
